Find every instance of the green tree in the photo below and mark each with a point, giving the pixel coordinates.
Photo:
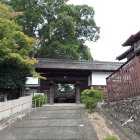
(15, 49)
(65, 87)
(59, 26)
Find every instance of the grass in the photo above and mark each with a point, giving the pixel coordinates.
(111, 138)
(90, 111)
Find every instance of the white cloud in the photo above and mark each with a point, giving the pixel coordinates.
(118, 19)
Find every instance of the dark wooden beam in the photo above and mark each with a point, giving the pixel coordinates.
(67, 79)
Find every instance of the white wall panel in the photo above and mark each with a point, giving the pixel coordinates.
(32, 81)
(99, 78)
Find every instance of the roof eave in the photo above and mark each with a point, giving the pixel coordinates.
(132, 39)
(124, 55)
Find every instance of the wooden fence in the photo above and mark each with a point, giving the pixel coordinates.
(125, 82)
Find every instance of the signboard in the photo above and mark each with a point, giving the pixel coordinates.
(32, 81)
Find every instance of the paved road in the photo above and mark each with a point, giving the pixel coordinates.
(52, 123)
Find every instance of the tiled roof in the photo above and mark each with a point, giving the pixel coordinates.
(77, 64)
(125, 54)
(132, 39)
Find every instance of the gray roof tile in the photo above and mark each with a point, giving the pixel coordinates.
(77, 64)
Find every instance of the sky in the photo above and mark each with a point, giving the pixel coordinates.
(118, 20)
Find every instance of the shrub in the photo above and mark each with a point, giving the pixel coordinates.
(90, 111)
(111, 138)
(90, 98)
(40, 100)
(1, 97)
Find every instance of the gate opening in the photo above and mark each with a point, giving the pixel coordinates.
(64, 93)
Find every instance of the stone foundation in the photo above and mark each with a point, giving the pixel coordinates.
(127, 112)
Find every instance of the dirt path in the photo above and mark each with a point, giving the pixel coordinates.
(100, 126)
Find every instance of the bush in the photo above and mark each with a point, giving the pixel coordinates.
(1, 97)
(91, 97)
(111, 138)
(40, 100)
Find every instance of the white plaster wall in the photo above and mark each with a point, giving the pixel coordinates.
(11, 103)
(99, 78)
(32, 81)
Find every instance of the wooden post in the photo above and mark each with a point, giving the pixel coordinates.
(77, 89)
(51, 97)
(122, 92)
(108, 88)
(137, 61)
